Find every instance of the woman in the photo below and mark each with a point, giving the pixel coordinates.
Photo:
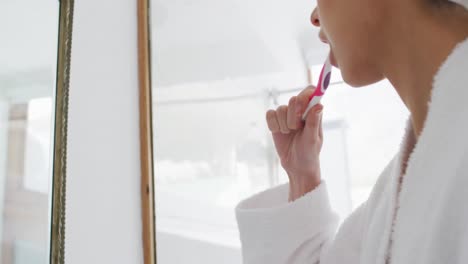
(417, 211)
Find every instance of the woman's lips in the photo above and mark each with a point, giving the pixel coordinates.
(324, 39)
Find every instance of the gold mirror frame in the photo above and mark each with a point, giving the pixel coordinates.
(57, 236)
(146, 133)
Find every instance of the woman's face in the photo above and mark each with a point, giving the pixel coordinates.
(354, 29)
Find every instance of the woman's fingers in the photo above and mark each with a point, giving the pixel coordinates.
(312, 123)
(272, 121)
(282, 116)
(277, 120)
(303, 99)
(321, 127)
(287, 118)
(293, 120)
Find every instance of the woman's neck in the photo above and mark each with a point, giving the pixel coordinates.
(415, 55)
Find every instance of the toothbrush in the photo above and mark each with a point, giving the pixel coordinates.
(324, 81)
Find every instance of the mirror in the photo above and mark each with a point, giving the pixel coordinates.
(34, 67)
(216, 68)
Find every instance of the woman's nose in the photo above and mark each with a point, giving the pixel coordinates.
(314, 18)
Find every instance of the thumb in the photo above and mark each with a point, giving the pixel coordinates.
(312, 122)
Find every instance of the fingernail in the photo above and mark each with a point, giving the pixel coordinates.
(319, 110)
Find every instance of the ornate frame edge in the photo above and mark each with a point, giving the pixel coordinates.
(57, 244)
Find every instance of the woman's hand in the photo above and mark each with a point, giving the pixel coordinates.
(298, 143)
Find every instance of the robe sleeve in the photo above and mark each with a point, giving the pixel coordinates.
(273, 230)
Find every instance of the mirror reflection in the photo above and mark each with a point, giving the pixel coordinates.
(27, 82)
(218, 66)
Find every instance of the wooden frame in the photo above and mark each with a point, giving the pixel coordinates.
(57, 244)
(146, 134)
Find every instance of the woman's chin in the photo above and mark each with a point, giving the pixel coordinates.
(359, 78)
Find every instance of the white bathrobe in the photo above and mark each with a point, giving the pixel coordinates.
(428, 216)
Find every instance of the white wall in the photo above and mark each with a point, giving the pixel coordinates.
(103, 201)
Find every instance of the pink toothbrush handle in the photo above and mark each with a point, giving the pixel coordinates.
(323, 83)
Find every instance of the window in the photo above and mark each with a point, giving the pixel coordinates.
(26, 175)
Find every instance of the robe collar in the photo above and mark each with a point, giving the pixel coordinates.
(437, 154)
